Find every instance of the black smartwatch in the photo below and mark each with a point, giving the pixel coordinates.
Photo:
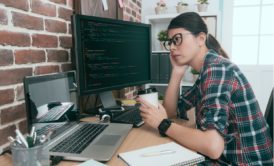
(163, 126)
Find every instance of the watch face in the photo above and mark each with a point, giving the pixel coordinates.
(164, 125)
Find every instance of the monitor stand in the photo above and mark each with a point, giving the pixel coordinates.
(108, 101)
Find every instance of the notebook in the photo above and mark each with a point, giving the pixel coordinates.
(162, 155)
(59, 87)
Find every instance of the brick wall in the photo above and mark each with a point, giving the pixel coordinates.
(35, 38)
(132, 10)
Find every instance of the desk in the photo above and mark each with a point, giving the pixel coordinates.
(137, 138)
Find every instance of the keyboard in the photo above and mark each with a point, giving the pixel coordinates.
(130, 117)
(55, 113)
(49, 127)
(78, 141)
(55, 128)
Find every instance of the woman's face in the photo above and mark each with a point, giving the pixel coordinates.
(184, 46)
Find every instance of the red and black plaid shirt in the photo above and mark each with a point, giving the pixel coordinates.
(225, 101)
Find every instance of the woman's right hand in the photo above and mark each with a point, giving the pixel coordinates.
(177, 68)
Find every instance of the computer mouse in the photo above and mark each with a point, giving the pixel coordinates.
(54, 104)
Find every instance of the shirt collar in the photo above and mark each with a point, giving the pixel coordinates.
(210, 56)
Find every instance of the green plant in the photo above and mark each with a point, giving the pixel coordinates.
(194, 72)
(202, 1)
(162, 35)
(161, 97)
(182, 3)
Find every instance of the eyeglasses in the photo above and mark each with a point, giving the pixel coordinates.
(177, 40)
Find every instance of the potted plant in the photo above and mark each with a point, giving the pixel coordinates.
(194, 74)
(202, 5)
(160, 7)
(162, 37)
(181, 6)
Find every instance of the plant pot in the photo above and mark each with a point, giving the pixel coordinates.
(202, 7)
(162, 47)
(181, 9)
(160, 10)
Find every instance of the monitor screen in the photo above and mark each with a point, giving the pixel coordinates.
(110, 54)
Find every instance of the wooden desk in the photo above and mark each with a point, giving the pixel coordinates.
(137, 138)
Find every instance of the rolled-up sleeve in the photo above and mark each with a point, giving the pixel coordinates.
(186, 102)
(214, 107)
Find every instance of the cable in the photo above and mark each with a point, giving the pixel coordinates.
(86, 103)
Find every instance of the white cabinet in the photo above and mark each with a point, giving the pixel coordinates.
(161, 88)
(161, 21)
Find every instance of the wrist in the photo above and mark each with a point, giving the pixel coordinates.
(177, 75)
(164, 126)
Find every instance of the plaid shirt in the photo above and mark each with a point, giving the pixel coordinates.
(225, 101)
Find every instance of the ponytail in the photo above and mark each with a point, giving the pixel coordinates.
(212, 43)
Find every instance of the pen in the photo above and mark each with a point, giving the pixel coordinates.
(159, 153)
(11, 139)
(32, 131)
(18, 140)
(34, 138)
(21, 138)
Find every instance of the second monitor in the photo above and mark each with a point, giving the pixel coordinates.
(110, 54)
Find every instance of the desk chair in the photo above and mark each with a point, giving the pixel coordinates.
(269, 113)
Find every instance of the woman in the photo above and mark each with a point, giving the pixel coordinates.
(231, 129)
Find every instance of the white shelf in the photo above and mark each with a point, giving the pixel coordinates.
(161, 21)
(165, 85)
(167, 17)
(159, 51)
(183, 83)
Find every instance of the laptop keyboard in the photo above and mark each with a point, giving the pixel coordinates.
(56, 129)
(130, 117)
(49, 127)
(79, 140)
(55, 113)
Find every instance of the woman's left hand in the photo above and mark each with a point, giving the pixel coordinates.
(152, 115)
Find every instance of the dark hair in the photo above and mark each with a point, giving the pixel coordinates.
(194, 23)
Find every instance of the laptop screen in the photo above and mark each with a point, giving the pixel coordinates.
(42, 90)
(42, 93)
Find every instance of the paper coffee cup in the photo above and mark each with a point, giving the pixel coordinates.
(152, 98)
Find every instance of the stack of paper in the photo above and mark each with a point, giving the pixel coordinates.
(162, 155)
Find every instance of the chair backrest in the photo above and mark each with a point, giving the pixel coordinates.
(269, 113)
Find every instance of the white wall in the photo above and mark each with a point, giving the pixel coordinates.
(261, 79)
(259, 76)
(149, 5)
(226, 27)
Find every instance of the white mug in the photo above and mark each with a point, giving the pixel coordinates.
(150, 95)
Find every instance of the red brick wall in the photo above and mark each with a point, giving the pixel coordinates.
(132, 10)
(35, 39)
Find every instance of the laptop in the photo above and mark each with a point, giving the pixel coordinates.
(50, 98)
(71, 139)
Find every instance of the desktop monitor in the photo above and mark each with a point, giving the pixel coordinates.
(110, 54)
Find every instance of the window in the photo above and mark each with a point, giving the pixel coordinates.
(253, 32)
